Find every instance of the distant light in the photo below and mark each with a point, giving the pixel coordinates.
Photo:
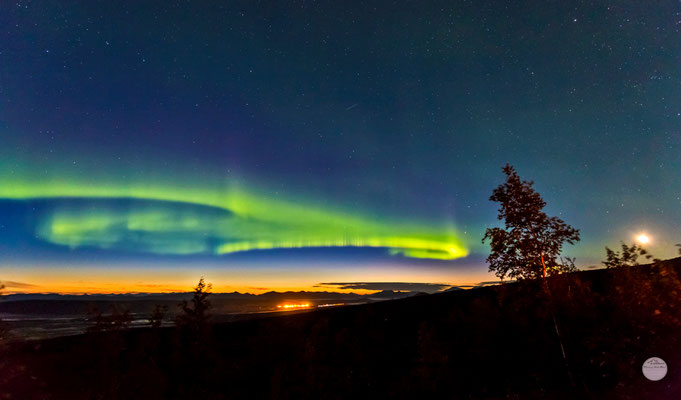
(293, 306)
(331, 305)
(643, 239)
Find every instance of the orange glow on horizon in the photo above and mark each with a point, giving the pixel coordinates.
(116, 278)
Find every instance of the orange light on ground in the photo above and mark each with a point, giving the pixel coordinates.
(293, 306)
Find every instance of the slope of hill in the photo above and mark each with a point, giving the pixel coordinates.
(491, 342)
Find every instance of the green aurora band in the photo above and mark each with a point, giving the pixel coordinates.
(189, 220)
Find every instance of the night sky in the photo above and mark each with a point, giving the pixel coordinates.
(282, 145)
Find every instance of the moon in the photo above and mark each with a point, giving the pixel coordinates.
(643, 238)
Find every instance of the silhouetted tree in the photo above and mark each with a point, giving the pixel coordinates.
(628, 257)
(197, 348)
(4, 328)
(98, 320)
(157, 315)
(679, 246)
(566, 264)
(118, 320)
(195, 315)
(531, 242)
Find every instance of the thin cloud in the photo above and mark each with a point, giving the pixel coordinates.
(488, 283)
(394, 286)
(17, 285)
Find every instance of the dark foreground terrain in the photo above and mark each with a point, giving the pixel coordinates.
(494, 342)
(42, 316)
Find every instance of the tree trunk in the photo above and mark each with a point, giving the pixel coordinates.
(541, 253)
(543, 265)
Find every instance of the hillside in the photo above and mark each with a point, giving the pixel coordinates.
(491, 342)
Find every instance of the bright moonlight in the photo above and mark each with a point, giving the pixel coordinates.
(643, 239)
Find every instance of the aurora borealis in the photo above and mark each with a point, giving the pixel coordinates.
(175, 222)
(276, 145)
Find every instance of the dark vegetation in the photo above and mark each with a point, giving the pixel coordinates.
(627, 258)
(4, 329)
(118, 319)
(195, 317)
(493, 342)
(157, 316)
(530, 243)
